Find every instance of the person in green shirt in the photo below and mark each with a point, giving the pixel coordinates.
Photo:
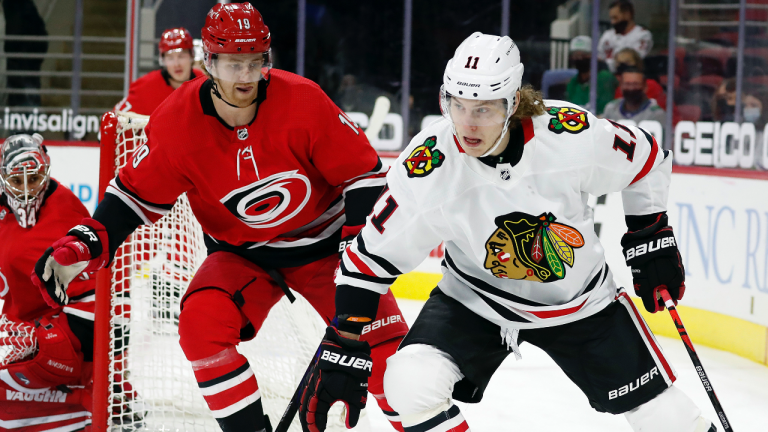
(578, 88)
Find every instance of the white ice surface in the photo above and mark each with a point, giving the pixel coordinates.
(533, 394)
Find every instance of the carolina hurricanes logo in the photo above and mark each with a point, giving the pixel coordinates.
(271, 201)
(3, 285)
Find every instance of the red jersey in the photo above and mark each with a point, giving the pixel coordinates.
(148, 92)
(21, 248)
(273, 189)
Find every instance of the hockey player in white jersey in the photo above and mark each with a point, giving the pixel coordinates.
(503, 180)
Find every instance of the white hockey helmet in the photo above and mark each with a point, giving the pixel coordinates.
(484, 67)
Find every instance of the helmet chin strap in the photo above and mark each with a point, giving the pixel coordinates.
(215, 89)
(504, 129)
(498, 141)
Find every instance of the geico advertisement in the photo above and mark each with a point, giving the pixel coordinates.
(721, 227)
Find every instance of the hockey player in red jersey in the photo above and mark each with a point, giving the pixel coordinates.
(279, 179)
(176, 58)
(503, 180)
(49, 389)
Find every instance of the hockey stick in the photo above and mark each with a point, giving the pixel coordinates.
(295, 402)
(376, 122)
(695, 359)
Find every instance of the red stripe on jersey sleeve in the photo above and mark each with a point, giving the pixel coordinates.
(648, 163)
(361, 266)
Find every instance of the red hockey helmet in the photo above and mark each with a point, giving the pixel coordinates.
(175, 38)
(235, 28)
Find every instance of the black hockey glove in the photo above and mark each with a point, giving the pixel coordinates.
(340, 373)
(652, 254)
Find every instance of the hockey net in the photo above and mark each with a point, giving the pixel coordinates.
(17, 341)
(149, 382)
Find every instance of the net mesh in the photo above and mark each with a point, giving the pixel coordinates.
(152, 386)
(17, 341)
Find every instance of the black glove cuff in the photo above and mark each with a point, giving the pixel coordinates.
(355, 302)
(90, 237)
(640, 227)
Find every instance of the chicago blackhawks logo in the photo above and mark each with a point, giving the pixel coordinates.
(531, 248)
(424, 158)
(567, 119)
(271, 201)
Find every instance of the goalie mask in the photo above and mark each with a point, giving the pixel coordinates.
(236, 50)
(25, 173)
(480, 84)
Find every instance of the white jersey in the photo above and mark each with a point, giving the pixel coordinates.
(639, 39)
(520, 245)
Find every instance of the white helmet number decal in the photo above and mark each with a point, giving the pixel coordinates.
(271, 201)
(470, 62)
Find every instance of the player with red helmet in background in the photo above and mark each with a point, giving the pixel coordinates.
(279, 179)
(176, 58)
(49, 389)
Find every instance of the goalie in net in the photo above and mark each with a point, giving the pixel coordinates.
(279, 179)
(46, 350)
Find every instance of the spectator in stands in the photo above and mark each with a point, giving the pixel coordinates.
(578, 88)
(752, 101)
(624, 34)
(23, 19)
(627, 58)
(635, 104)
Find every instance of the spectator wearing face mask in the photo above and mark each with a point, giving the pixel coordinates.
(578, 88)
(724, 104)
(627, 58)
(624, 34)
(634, 104)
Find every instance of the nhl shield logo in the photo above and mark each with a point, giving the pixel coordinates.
(242, 134)
(3, 212)
(505, 175)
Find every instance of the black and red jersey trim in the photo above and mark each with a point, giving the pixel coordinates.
(381, 262)
(127, 191)
(364, 277)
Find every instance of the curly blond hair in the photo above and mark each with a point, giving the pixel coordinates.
(531, 105)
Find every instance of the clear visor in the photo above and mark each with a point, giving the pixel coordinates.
(239, 68)
(472, 112)
(171, 57)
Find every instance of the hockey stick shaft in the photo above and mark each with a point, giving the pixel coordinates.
(295, 402)
(376, 121)
(670, 304)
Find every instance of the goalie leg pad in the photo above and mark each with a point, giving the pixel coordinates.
(670, 411)
(209, 330)
(58, 361)
(419, 382)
